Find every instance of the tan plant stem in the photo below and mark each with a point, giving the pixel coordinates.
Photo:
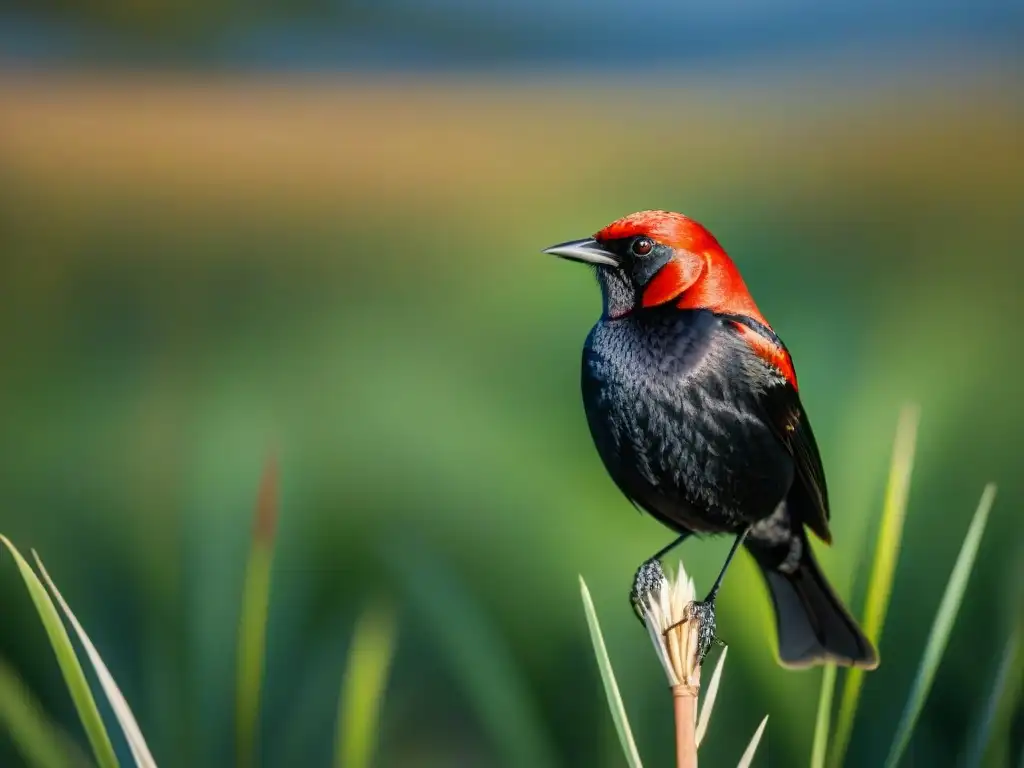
(682, 640)
(684, 698)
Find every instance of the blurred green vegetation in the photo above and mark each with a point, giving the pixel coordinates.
(195, 272)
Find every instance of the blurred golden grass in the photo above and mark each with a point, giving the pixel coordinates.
(372, 141)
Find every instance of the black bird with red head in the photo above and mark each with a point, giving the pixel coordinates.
(693, 405)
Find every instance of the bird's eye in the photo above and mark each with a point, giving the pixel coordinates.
(642, 246)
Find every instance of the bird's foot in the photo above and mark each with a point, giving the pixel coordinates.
(649, 577)
(704, 612)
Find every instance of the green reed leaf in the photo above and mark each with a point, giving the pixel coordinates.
(883, 569)
(70, 668)
(942, 626)
(366, 677)
(611, 687)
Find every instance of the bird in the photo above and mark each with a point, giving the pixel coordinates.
(692, 402)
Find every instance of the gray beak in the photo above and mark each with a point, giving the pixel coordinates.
(588, 250)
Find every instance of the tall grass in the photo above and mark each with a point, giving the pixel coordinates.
(883, 572)
(253, 623)
(41, 743)
(369, 660)
(358, 721)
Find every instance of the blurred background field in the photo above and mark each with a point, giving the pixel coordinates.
(204, 263)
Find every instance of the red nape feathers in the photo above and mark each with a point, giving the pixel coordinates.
(700, 276)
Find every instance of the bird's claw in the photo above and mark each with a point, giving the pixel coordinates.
(704, 612)
(649, 577)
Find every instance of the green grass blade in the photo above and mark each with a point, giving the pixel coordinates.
(992, 736)
(750, 751)
(611, 687)
(941, 627)
(708, 705)
(253, 621)
(133, 734)
(366, 676)
(883, 569)
(1009, 669)
(40, 743)
(74, 677)
(821, 724)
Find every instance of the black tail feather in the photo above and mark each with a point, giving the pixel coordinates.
(812, 624)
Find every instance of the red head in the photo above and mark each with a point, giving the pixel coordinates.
(651, 258)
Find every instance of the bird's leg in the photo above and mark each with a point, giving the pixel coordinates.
(704, 610)
(721, 574)
(666, 549)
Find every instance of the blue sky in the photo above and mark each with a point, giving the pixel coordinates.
(577, 34)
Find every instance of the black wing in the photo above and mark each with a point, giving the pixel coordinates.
(808, 498)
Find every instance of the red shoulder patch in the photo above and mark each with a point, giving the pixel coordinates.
(775, 355)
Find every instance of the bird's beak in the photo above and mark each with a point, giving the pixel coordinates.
(588, 250)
